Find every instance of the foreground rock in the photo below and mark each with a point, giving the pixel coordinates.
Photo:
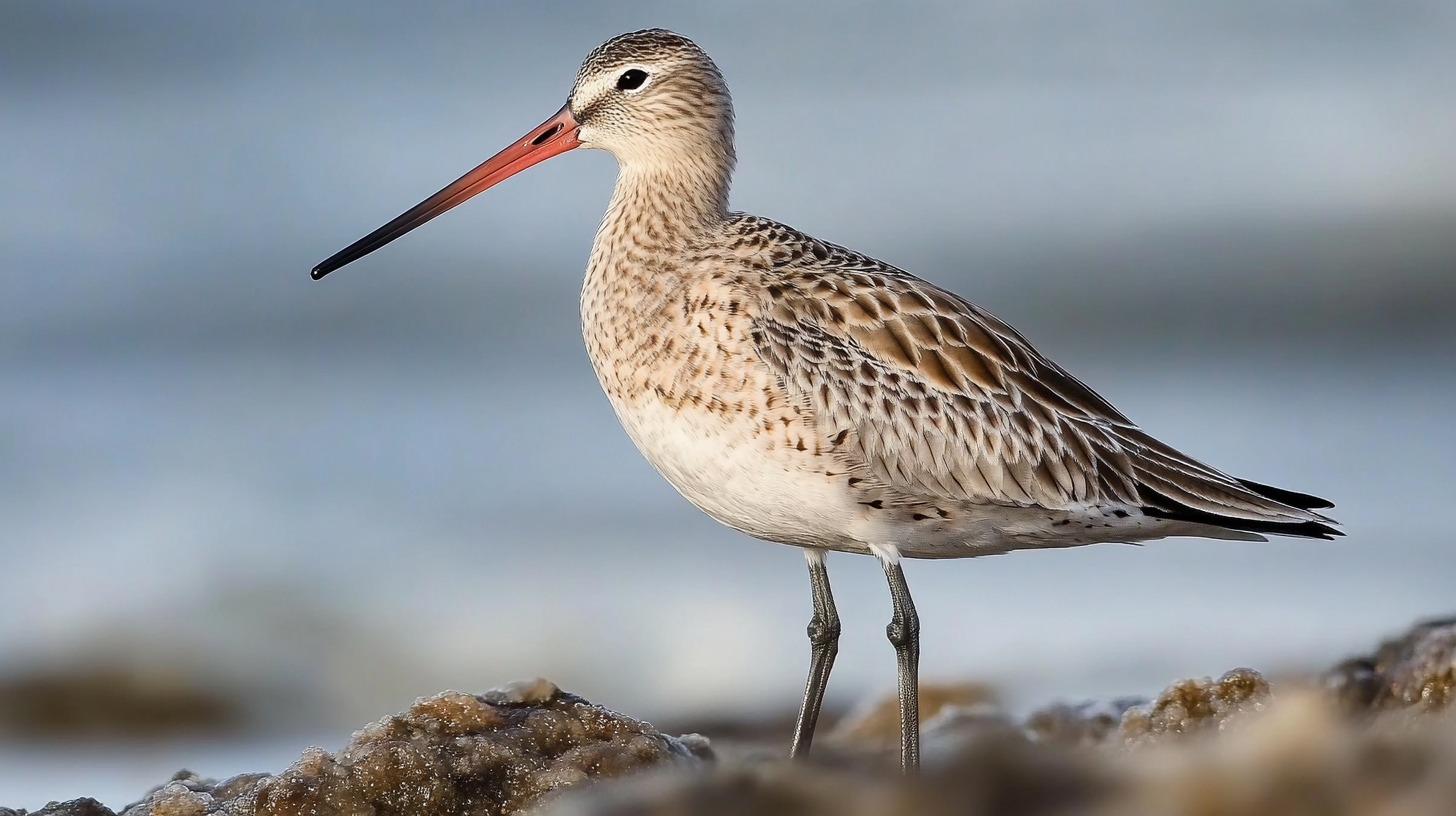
(1417, 669)
(453, 753)
(1298, 755)
(1374, 735)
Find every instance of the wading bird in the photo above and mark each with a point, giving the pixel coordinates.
(804, 393)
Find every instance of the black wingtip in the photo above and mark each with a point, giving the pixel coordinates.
(1298, 529)
(1303, 501)
(1157, 505)
(318, 272)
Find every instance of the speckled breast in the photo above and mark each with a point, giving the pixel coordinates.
(711, 418)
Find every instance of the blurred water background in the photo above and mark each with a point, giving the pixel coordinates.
(305, 504)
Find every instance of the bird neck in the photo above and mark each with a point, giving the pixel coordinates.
(665, 205)
(640, 256)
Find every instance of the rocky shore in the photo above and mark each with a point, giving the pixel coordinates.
(1375, 734)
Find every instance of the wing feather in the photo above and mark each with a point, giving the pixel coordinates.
(943, 400)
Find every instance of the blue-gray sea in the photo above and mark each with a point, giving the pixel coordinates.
(1237, 221)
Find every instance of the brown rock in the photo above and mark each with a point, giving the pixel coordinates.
(74, 807)
(1195, 706)
(1299, 757)
(454, 753)
(1416, 669)
(996, 773)
(1297, 753)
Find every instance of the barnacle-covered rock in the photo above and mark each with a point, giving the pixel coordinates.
(1416, 669)
(1195, 706)
(454, 753)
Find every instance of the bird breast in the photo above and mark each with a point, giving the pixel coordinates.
(675, 359)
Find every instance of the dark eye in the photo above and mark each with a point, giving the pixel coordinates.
(631, 79)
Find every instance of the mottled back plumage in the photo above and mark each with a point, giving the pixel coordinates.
(941, 399)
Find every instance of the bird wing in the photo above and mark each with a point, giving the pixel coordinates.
(939, 398)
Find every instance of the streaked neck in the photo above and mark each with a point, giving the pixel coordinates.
(665, 205)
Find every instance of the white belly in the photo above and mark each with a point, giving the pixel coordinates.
(739, 477)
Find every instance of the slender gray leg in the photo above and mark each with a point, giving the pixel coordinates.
(904, 633)
(823, 646)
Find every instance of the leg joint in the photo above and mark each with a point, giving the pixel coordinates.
(824, 632)
(903, 629)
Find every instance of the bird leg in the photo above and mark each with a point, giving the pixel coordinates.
(904, 634)
(823, 646)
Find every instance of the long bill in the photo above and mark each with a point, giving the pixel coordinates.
(552, 137)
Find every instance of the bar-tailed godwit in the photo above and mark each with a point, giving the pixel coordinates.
(804, 393)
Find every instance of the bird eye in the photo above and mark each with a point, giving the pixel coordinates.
(631, 79)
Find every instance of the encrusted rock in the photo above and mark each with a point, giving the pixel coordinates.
(454, 753)
(1416, 669)
(1421, 668)
(523, 747)
(1299, 756)
(998, 772)
(1196, 706)
(74, 807)
(1294, 755)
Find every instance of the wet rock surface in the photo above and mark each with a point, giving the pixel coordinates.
(1416, 669)
(1376, 734)
(1000, 772)
(1191, 706)
(454, 753)
(75, 807)
(1221, 747)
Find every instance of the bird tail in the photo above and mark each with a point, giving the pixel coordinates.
(1308, 523)
(1170, 485)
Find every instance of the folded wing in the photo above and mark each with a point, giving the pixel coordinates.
(939, 398)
